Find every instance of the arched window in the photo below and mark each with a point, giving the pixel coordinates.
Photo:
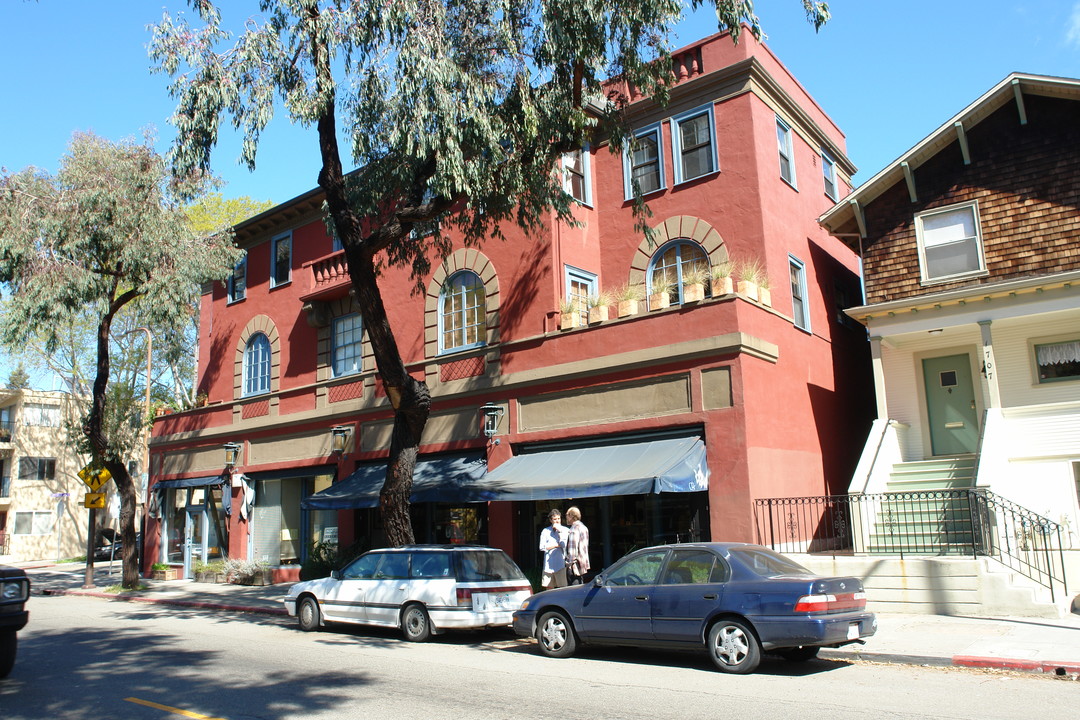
(675, 265)
(257, 365)
(462, 312)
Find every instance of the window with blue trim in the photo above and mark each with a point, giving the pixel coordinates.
(257, 365)
(462, 312)
(579, 286)
(828, 172)
(786, 151)
(799, 309)
(238, 281)
(643, 162)
(347, 333)
(675, 265)
(281, 260)
(692, 144)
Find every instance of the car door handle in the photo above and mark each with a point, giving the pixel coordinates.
(403, 588)
(709, 597)
(642, 597)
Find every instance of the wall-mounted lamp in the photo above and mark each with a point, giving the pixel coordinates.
(339, 441)
(232, 453)
(492, 413)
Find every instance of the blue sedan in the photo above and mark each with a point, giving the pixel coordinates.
(736, 600)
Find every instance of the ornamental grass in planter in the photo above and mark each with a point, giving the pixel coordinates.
(569, 315)
(248, 572)
(751, 272)
(628, 300)
(694, 279)
(598, 307)
(164, 571)
(660, 294)
(720, 279)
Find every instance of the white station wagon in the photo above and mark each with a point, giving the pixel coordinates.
(422, 589)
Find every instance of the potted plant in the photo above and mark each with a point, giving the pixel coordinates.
(598, 307)
(248, 572)
(764, 295)
(750, 274)
(720, 277)
(164, 571)
(694, 278)
(660, 293)
(569, 315)
(627, 299)
(210, 572)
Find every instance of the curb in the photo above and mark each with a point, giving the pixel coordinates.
(198, 604)
(1061, 669)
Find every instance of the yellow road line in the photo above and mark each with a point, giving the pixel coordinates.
(166, 708)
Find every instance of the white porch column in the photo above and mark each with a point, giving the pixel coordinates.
(879, 377)
(989, 365)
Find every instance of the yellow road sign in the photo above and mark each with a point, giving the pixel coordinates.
(94, 478)
(94, 500)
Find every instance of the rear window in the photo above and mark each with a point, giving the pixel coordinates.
(487, 565)
(431, 565)
(767, 563)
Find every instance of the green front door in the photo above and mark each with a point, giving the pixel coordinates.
(950, 405)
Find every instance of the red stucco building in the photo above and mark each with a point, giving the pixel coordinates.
(662, 425)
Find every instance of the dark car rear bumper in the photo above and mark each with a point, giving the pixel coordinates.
(824, 630)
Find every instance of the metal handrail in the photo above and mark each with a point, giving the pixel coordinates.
(966, 521)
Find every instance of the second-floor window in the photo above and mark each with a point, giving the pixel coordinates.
(644, 163)
(950, 243)
(462, 312)
(579, 286)
(828, 172)
(786, 150)
(281, 260)
(41, 415)
(677, 264)
(692, 144)
(238, 281)
(347, 348)
(799, 310)
(37, 468)
(1058, 361)
(257, 365)
(576, 180)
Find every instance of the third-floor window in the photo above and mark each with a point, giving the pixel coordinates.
(281, 261)
(347, 345)
(462, 312)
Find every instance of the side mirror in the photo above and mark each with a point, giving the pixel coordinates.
(335, 574)
(598, 581)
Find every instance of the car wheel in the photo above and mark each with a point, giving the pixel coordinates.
(415, 623)
(555, 635)
(9, 643)
(733, 647)
(800, 654)
(308, 614)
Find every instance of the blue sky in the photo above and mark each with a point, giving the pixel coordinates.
(887, 72)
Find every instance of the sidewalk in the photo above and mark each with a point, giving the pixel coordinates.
(1008, 643)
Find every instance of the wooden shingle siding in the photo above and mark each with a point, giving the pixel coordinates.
(1026, 180)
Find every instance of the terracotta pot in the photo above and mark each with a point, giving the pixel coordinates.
(628, 308)
(749, 289)
(693, 292)
(765, 296)
(722, 286)
(659, 301)
(570, 320)
(598, 314)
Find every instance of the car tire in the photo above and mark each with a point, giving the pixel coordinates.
(733, 647)
(555, 635)
(308, 614)
(415, 623)
(9, 643)
(800, 654)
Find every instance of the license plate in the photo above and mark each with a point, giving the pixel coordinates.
(853, 631)
(492, 601)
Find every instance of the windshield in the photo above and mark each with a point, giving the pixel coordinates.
(767, 563)
(477, 566)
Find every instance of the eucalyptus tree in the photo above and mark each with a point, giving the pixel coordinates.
(455, 113)
(103, 236)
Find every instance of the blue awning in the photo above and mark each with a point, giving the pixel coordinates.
(452, 478)
(226, 491)
(668, 465)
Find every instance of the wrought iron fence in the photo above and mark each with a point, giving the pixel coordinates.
(942, 522)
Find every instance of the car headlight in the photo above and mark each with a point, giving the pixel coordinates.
(14, 591)
(525, 604)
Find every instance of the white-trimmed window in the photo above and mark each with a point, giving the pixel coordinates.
(828, 172)
(1058, 361)
(950, 243)
(800, 311)
(579, 286)
(238, 281)
(693, 144)
(257, 365)
(281, 259)
(462, 312)
(786, 150)
(37, 468)
(577, 180)
(675, 265)
(347, 333)
(33, 522)
(644, 162)
(41, 415)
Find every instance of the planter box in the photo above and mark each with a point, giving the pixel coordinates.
(170, 574)
(749, 289)
(628, 308)
(693, 292)
(722, 286)
(598, 314)
(570, 320)
(266, 577)
(659, 301)
(764, 296)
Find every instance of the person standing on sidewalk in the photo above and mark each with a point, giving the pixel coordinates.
(553, 545)
(577, 548)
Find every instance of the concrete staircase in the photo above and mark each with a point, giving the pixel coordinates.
(930, 523)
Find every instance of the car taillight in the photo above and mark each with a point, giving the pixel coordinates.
(464, 596)
(831, 603)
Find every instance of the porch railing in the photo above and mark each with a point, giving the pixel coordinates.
(942, 522)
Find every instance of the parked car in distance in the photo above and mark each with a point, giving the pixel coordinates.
(113, 549)
(422, 589)
(14, 592)
(733, 599)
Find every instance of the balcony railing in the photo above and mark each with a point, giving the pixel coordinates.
(5, 486)
(944, 522)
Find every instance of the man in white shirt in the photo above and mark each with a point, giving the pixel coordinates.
(553, 545)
